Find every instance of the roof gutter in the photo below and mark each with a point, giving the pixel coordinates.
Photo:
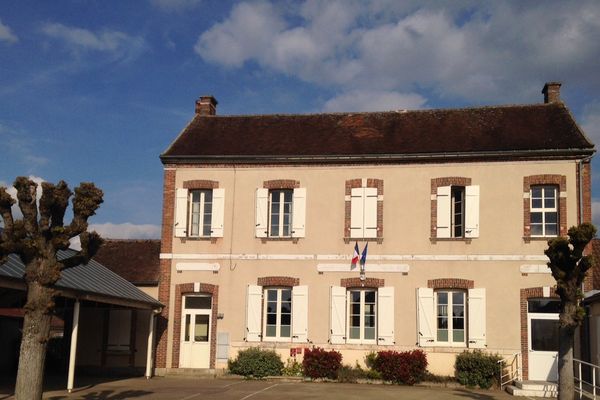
(403, 158)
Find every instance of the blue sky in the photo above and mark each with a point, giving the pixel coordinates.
(96, 90)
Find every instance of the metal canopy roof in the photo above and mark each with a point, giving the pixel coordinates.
(91, 281)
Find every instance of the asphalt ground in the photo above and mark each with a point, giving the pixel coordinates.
(177, 388)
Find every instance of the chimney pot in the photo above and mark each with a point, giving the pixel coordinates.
(206, 105)
(551, 92)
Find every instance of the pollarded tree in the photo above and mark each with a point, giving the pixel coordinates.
(36, 238)
(569, 267)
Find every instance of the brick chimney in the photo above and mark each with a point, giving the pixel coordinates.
(206, 105)
(551, 92)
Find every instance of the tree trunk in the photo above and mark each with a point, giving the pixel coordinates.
(36, 330)
(566, 390)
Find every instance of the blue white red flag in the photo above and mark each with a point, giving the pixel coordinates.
(355, 256)
(363, 258)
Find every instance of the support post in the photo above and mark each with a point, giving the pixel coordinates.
(150, 349)
(73, 351)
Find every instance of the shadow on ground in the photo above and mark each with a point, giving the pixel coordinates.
(107, 395)
(473, 395)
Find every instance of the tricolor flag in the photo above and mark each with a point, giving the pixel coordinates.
(355, 256)
(363, 258)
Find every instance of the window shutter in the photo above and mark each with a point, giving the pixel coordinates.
(300, 314)
(218, 213)
(357, 213)
(370, 213)
(299, 213)
(443, 211)
(253, 313)
(181, 206)
(385, 316)
(262, 212)
(472, 211)
(119, 330)
(337, 314)
(477, 318)
(425, 317)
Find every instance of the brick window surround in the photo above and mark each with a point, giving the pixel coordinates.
(286, 281)
(445, 181)
(180, 291)
(526, 294)
(357, 283)
(281, 184)
(358, 183)
(558, 180)
(200, 184)
(450, 283)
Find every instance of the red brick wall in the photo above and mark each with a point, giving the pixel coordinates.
(526, 294)
(450, 283)
(444, 181)
(180, 291)
(281, 184)
(357, 183)
(547, 179)
(286, 281)
(200, 184)
(164, 283)
(357, 283)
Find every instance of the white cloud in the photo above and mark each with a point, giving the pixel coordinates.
(6, 34)
(126, 230)
(493, 51)
(176, 5)
(371, 100)
(118, 44)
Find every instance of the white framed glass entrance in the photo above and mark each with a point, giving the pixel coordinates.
(542, 325)
(195, 331)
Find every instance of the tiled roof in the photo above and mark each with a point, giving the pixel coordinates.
(135, 260)
(537, 128)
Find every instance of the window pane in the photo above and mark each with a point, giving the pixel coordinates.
(286, 295)
(544, 334)
(355, 309)
(458, 298)
(442, 297)
(370, 309)
(197, 302)
(370, 297)
(458, 335)
(442, 323)
(536, 230)
(543, 306)
(551, 229)
(442, 310)
(286, 331)
(354, 333)
(272, 295)
(549, 192)
(549, 203)
(536, 217)
(288, 195)
(369, 320)
(458, 323)
(271, 330)
(355, 320)
(286, 308)
(201, 328)
(271, 319)
(458, 311)
(355, 296)
(442, 335)
(370, 333)
(551, 217)
(536, 192)
(286, 319)
(536, 203)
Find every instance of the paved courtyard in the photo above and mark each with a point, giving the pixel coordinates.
(234, 389)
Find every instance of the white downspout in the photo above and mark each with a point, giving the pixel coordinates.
(150, 349)
(73, 351)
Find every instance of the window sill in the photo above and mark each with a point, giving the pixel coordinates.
(465, 240)
(378, 240)
(199, 239)
(279, 239)
(528, 239)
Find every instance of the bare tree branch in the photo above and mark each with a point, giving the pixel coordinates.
(6, 203)
(85, 203)
(26, 191)
(62, 193)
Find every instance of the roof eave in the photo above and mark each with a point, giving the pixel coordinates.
(579, 153)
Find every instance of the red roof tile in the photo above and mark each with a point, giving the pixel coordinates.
(137, 261)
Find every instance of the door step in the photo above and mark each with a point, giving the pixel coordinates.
(533, 389)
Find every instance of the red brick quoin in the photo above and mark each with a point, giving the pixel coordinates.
(547, 179)
(357, 283)
(437, 182)
(285, 281)
(526, 294)
(281, 184)
(450, 283)
(357, 183)
(180, 291)
(200, 184)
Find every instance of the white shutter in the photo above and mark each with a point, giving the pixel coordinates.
(181, 206)
(337, 315)
(300, 314)
(299, 213)
(443, 211)
(477, 318)
(385, 317)
(425, 317)
(218, 213)
(253, 313)
(357, 205)
(370, 213)
(472, 211)
(262, 212)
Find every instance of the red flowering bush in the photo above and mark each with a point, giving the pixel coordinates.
(407, 367)
(320, 363)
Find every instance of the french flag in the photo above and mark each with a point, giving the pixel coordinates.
(356, 256)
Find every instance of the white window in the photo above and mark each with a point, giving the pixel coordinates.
(451, 318)
(544, 211)
(283, 312)
(363, 213)
(363, 316)
(119, 330)
(199, 212)
(280, 212)
(457, 212)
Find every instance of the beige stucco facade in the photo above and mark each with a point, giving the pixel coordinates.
(499, 260)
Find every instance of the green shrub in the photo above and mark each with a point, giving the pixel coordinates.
(347, 374)
(292, 368)
(256, 363)
(320, 363)
(370, 359)
(477, 368)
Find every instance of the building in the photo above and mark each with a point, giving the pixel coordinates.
(262, 214)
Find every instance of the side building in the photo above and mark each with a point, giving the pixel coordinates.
(262, 214)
